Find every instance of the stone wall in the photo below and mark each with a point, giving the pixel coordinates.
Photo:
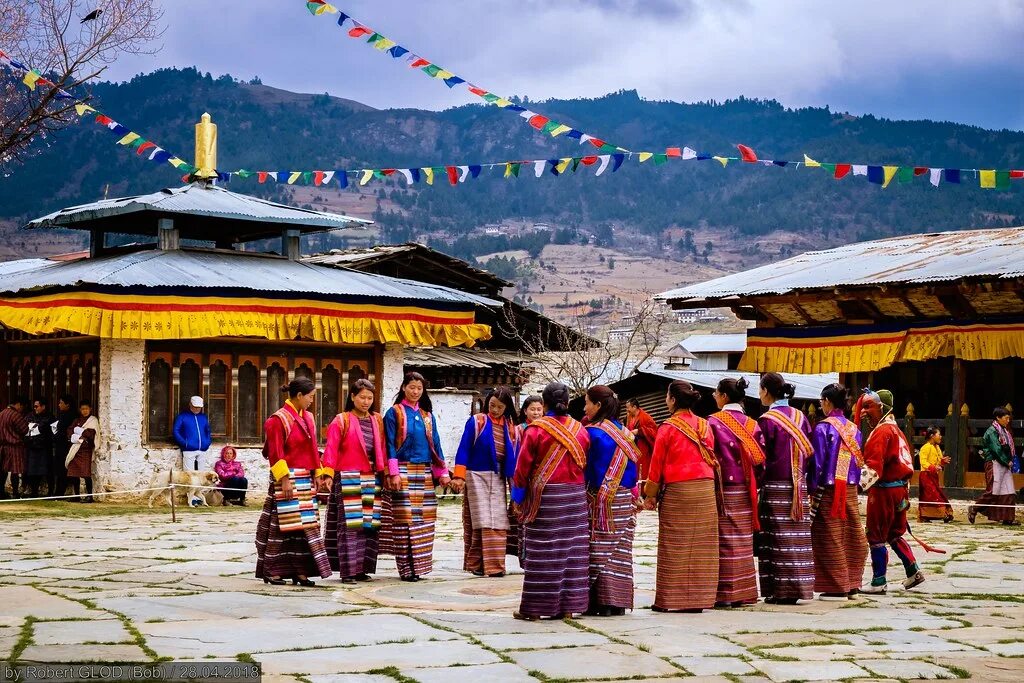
(452, 408)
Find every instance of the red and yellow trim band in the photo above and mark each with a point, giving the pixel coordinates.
(143, 316)
(873, 347)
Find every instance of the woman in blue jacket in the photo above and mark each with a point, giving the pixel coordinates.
(486, 460)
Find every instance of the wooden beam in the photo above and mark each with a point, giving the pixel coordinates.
(911, 307)
(956, 438)
(957, 304)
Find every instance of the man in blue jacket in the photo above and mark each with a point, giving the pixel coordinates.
(192, 434)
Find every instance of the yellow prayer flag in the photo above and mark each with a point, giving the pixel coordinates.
(502, 102)
(294, 176)
(563, 164)
(175, 162)
(367, 174)
(644, 156)
(508, 169)
(325, 9)
(83, 109)
(724, 161)
(30, 79)
(129, 139)
(890, 173)
(811, 163)
(428, 173)
(559, 129)
(987, 179)
(443, 74)
(384, 44)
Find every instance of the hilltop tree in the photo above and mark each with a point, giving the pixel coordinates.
(51, 36)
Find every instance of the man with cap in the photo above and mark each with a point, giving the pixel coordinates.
(192, 434)
(888, 453)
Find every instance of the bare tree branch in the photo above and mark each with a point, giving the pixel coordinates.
(569, 358)
(49, 35)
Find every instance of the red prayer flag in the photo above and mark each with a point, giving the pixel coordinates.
(387, 171)
(477, 91)
(538, 121)
(1017, 174)
(144, 146)
(746, 153)
(318, 177)
(589, 161)
(418, 62)
(359, 31)
(921, 170)
(673, 152)
(597, 142)
(261, 176)
(453, 175)
(104, 120)
(842, 170)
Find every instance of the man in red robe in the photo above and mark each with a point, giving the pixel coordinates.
(888, 453)
(644, 430)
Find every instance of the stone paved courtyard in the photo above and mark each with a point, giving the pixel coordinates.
(130, 585)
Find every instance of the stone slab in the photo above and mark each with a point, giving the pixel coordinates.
(808, 671)
(1007, 649)
(78, 632)
(84, 653)
(227, 604)
(23, 601)
(709, 666)
(905, 669)
(204, 568)
(371, 657)
(485, 673)
(611, 661)
(541, 641)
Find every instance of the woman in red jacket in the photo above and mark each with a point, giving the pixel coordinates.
(353, 467)
(288, 543)
(681, 485)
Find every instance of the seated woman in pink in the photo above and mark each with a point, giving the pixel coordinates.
(232, 476)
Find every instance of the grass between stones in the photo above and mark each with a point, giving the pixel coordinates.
(392, 672)
(24, 638)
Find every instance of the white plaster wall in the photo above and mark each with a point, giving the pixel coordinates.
(451, 408)
(393, 373)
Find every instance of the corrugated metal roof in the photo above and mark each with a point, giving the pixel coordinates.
(198, 199)
(932, 257)
(359, 258)
(808, 387)
(218, 270)
(22, 265)
(458, 357)
(715, 343)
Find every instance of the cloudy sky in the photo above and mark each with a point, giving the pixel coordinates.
(913, 59)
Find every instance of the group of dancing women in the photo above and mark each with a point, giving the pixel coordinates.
(563, 495)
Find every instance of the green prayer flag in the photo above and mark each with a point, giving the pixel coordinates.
(1002, 180)
(576, 163)
(550, 126)
(905, 174)
(515, 169)
(831, 168)
(433, 69)
(608, 147)
(659, 159)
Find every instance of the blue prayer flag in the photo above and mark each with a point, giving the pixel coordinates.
(876, 175)
(474, 170)
(952, 175)
(161, 156)
(342, 177)
(574, 134)
(617, 161)
(781, 163)
(397, 51)
(342, 18)
(119, 130)
(282, 176)
(453, 81)
(703, 157)
(415, 174)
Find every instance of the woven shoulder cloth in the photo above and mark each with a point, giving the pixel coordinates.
(849, 451)
(625, 452)
(800, 450)
(564, 443)
(289, 420)
(753, 454)
(697, 436)
(402, 431)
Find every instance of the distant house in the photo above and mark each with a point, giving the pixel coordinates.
(714, 351)
(678, 357)
(621, 333)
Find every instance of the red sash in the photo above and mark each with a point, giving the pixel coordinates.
(625, 451)
(800, 451)
(753, 454)
(564, 436)
(849, 450)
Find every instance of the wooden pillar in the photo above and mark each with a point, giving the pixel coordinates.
(96, 242)
(290, 245)
(957, 432)
(167, 237)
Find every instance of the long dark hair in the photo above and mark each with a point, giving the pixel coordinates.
(685, 395)
(733, 389)
(504, 395)
(836, 394)
(299, 385)
(426, 404)
(604, 397)
(776, 386)
(358, 386)
(556, 398)
(526, 403)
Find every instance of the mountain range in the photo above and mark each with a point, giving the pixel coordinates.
(270, 129)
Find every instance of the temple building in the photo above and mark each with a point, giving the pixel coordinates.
(184, 310)
(937, 318)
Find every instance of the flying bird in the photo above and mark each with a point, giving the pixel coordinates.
(91, 15)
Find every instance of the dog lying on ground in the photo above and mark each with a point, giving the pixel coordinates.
(191, 479)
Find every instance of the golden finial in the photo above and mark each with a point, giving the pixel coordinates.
(206, 148)
(910, 410)
(964, 412)
(949, 410)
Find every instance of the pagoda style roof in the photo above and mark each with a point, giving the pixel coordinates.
(200, 211)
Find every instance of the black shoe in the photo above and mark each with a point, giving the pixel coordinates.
(363, 577)
(273, 582)
(303, 582)
(348, 579)
(477, 572)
